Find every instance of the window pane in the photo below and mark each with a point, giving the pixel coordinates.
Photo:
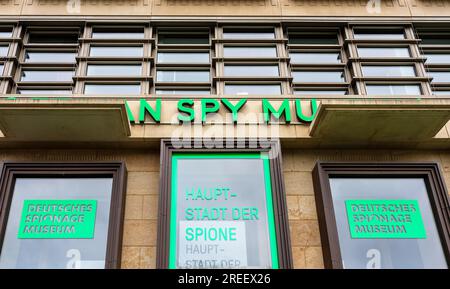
(250, 52)
(441, 92)
(182, 76)
(245, 178)
(329, 39)
(34, 56)
(50, 76)
(6, 34)
(440, 76)
(438, 58)
(318, 76)
(440, 39)
(233, 34)
(383, 52)
(388, 70)
(251, 70)
(396, 89)
(244, 89)
(383, 35)
(321, 92)
(121, 51)
(365, 199)
(68, 38)
(50, 198)
(114, 70)
(3, 50)
(182, 92)
(183, 38)
(315, 57)
(1, 68)
(45, 91)
(112, 89)
(132, 34)
(180, 57)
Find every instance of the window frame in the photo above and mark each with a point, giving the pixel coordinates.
(278, 194)
(430, 172)
(116, 170)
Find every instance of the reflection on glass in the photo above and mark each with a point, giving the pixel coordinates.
(250, 52)
(325, 39)
(57, 253)
(318, 76)
(3, 50)
(5, 34)
(251, 70)
(245, 89)
(182, 76)
(320, 92)
(391, 70)
(56, 57)
(112, 89)
(441, 92)
(49, 75)
(44, 91)
(383, 35)
(383, 52)
(315, 57)
(440, 76)
(124, 51)
(438, 58)
(386, 253)
(114, 70)
(394, 89)
(50, 38)
(183, 57)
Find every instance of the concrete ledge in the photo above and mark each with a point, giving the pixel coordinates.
(64, 120)
(380, 120)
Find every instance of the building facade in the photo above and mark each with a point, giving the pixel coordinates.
(224, 134)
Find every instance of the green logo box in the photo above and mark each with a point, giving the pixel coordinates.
(58, 219)
(385, 219)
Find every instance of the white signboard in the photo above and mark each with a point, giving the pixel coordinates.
(212, 244)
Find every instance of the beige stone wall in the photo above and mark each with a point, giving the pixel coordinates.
(141, 212)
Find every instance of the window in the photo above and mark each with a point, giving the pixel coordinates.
(99, 33)
(394, 89)
(381, 34)
(224, 200)
(185, 38)
(251, 70)
(250, 52)
(320, 92)
(3, 50)
(5, 33)
(182, 76)
(315, 57)
(316, 38)
(112, 88)
(60, 215)
(437, 58)
(318, 76)
(182, 57)
(44, 91)
(244, 89)
(435, 39)
(119, 51)
(192, 92)
(41, 37)
(391, 70)
(47, 76)
(50, 57)
(440, 76)
(382, 215)
(1, 68)
(113, 70)
(229, 33)
(383, 52)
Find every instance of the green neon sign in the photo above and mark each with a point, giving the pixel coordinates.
(58, 219)
(222, 224)
(385, 219)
